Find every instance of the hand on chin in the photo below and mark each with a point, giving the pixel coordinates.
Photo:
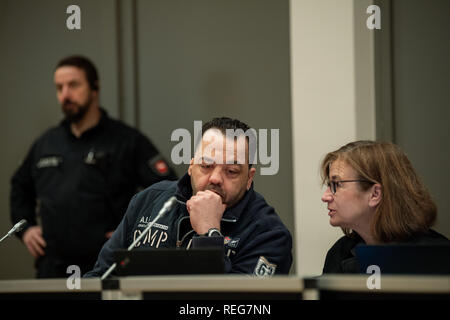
(205, 210)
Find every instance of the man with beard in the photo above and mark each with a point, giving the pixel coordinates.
(216, 207)
(78, 177)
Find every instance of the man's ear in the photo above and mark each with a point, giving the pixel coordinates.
(251, 174)
(190, 167)
(95, 94)
(376, 195)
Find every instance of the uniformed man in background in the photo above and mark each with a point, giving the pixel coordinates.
(79, 176)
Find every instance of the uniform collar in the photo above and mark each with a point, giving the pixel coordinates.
(99, 126)
(184, 193)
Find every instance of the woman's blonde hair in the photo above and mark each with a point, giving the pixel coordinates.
(406, 207)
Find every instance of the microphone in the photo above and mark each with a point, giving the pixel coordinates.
(17, 227)
(166, 207)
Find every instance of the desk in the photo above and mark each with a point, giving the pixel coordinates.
(159, 288)
(205, 288)
(232, 287)
(342, 287)
(54, 289)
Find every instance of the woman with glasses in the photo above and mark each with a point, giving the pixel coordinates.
(376, 197)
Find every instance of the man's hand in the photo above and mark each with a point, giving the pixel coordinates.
(205, 210)
(34, 241)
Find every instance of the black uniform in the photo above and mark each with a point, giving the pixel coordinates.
(80, 188)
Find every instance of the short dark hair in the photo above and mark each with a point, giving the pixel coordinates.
(84, 64)
(224, 123)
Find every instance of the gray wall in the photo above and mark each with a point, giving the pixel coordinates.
(162, 65)
(421, 100)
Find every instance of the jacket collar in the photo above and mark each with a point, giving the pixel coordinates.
(232, 214)
(350, 262)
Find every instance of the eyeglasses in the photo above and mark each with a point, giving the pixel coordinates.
(334, 184)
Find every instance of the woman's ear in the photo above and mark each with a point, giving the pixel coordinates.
(376, 195)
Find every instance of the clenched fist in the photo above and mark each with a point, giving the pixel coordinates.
(205, 210)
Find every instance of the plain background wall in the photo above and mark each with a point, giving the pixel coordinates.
(421, 101)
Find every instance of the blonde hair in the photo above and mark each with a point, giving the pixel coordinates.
(406, 207)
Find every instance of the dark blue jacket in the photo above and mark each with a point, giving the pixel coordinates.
(255, 240)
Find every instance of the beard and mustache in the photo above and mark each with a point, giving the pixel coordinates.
(73, 111)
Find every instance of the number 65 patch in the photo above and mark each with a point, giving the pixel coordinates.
(264, 268)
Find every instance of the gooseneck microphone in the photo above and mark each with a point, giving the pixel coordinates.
(166, 207)
(17, 227)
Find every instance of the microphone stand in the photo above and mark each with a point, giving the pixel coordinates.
(17, 227)
(4, 237)
(166, 207)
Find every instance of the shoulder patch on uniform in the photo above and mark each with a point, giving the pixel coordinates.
(264, 268)
(159, 166)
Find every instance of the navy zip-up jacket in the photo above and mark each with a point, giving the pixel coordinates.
(255, 241)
